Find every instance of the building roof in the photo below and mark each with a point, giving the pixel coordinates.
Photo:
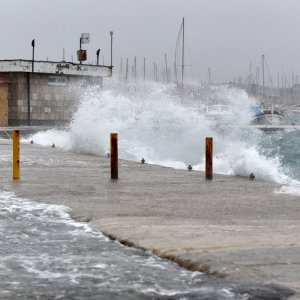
(51, 67)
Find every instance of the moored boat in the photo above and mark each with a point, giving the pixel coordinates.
(263, 116)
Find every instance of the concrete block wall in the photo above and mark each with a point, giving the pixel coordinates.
(53, 98)
(3, 103)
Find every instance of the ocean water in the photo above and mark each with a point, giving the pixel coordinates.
(159, 124)
(47, 255)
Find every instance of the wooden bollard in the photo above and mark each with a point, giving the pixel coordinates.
(16, 154)
(114, 155)
(209, 158)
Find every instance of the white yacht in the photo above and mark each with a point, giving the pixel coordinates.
(264, 116)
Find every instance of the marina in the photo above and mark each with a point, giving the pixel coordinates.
(149, 150)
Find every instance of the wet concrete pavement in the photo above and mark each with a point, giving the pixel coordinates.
(230, 227)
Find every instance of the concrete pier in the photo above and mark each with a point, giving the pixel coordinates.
(229, 227)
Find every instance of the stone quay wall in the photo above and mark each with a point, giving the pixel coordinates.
(52, 98)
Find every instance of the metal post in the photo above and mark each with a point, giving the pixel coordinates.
(114, 155)
(28, 99)
(80, 50)
(111, 42)
(16, 154)
(209, 158)
(32, 63)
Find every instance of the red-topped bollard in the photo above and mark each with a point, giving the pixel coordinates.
(209, 158)
(114, 155)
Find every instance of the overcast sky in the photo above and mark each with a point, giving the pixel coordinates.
(225, 35)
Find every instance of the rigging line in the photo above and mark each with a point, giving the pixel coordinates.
(184, 65)
(189, 53)
(254, 82)
(248, 72)
(178, 42)
(269, 74)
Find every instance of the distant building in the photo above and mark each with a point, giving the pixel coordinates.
(45, 95)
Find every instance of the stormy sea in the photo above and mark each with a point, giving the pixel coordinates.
(47, 255)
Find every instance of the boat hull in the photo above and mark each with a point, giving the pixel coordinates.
(268, 119)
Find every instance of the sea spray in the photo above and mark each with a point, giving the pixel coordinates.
(155, 122)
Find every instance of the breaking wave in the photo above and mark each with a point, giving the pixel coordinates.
(159, 124)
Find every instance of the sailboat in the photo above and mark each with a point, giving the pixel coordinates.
(179, 55)
(261, 114)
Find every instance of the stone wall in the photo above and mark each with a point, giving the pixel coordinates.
(3, 102)
(53, 98)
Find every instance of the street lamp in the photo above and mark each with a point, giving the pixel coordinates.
(97, 53)
(33, 45)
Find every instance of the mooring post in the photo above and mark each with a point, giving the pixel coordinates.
(209, 158)
(16, 154)
(114, 155)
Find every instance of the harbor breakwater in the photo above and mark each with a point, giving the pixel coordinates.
(231, 227)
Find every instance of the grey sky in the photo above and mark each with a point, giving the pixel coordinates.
(223, 34)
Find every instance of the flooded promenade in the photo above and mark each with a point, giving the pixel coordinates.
(233, 228)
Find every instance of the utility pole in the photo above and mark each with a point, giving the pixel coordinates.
(209, 79)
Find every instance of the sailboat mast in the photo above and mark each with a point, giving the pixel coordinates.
(144, 68)
(182, 53)
(250, 78)
(166, 63)
(126, 73)
(175, 71)
(263, 75)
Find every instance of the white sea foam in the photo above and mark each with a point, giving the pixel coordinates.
(156, 124)
(9, 203)
(293, 189)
